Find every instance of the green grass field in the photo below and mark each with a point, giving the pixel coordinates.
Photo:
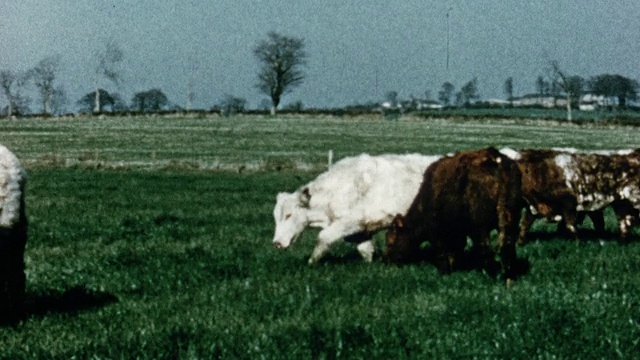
(151, 238)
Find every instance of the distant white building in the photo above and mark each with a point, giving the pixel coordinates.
(591, 102)
(428, 105)
(390, 105)
(498, 102)
(546, 101)
(588, 101)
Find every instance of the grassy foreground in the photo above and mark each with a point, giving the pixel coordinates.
(173, 262)
(163, 265)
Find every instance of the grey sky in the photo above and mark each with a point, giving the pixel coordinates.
(358, 50)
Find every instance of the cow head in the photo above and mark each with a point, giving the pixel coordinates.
(290, 215)
(399, 247)
(488, 158)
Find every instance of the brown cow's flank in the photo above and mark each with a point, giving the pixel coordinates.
(466, 194)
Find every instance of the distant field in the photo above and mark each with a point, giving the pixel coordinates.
(140, 248)
(254, 142)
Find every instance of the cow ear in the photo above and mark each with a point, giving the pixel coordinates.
(305, 197)
(398, 222)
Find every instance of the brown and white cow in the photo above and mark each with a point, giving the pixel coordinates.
(565, 184)
(467, 194)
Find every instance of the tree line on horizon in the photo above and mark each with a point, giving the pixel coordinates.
(281, 59)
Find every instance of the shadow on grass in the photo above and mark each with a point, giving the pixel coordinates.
(583, 235)
(71, 301)
(469, 261)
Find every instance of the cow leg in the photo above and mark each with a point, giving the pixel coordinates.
(364, 243)
(366, 250)
(627, 216)
(563, 229)
(12, 276)
(508, 235)
(597, 218)
(569, 216)
(448, 251)
(508, 257)
(482, 255)
(624, 224)
(330, 235)
(525, 224)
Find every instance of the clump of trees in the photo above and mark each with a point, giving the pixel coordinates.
(149, 101)
(610, 86)
(231, 105)
(113, 101)
(615, 86)
(14, 86)
(467, 94)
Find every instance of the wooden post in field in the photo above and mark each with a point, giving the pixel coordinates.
(330, 159)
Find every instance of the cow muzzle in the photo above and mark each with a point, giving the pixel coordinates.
(280, 245)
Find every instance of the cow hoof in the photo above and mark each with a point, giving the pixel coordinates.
(510, 282)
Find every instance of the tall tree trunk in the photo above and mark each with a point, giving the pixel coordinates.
(622, 102)
(275, 101)
(47, 104)
(569, 117)
(96, 106)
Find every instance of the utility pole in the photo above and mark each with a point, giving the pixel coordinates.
(448, 37)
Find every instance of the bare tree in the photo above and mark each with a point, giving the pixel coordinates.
(12, 85)
(58, 100)
(542, 86)
(44, 75)
(566, 83)
(107, 68)
(7, 81)
(281, 59)
(508, 89)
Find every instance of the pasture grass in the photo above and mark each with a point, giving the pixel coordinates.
(164, 264)
(629, 116)
(292, 142)
(171, 260)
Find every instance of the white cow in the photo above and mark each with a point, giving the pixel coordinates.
(355, 198)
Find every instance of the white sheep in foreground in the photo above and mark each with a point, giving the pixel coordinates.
(13, 236)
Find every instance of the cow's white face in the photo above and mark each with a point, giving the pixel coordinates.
(290, 215)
